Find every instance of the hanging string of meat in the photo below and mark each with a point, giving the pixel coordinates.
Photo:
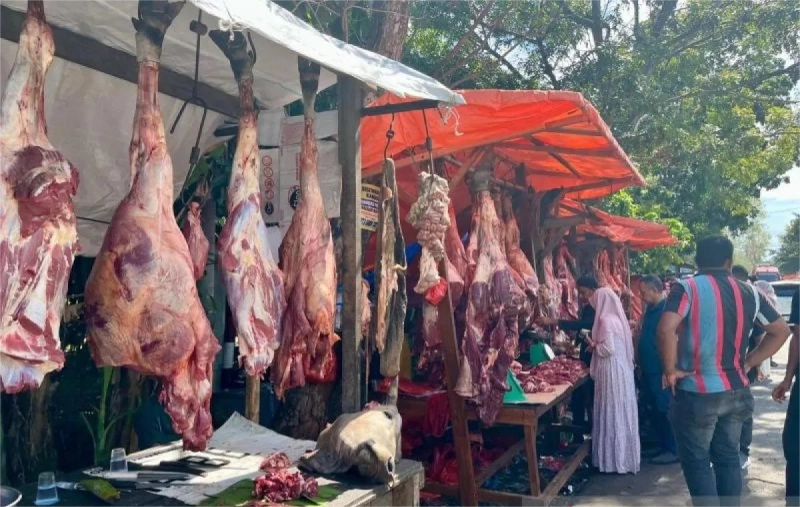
(391, 299)
(38, 235)
(569, 290)
(253, 282)
(431, 217)
(309, 268)
(196, 240)
(142, 306)
(494, 302)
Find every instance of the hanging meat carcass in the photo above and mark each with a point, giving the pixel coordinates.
(455, 247)
(391, 299)
(603, 271)
(38, 236)
(309, 268)
(196, 240)
(142, 305)
(564, 264)
(494, 302)
(253, 282)
(516, 257)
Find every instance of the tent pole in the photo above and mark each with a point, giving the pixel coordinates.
(350, 103)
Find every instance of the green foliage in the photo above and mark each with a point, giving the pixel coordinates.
(697, 93)
(787, 257)
(750, 246)
(103, 422)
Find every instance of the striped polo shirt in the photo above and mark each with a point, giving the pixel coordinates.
(718, 314)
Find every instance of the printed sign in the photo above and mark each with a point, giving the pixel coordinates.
(370, 205)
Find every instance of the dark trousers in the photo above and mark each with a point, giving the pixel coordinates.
(791, 446)
(659, 411)
(581, 404)
(708, 429)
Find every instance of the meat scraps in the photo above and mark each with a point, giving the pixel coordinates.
(196, 240)
(309, 267)
(283, 486)
(494, 302)
(275, 462)
(38, 235)
(142, 306)
(253, 282)
(544, 376)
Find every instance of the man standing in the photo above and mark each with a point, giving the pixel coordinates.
(581, 405)
(740, 273)
(652, 292)
(705, 369)
(791, 428)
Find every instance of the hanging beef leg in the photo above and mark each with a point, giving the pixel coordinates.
(142, 306)
(253, 281)
(309, 267)
(38, 236)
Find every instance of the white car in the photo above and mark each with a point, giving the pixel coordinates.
(785, 289)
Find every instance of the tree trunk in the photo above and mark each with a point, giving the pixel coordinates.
(304, 413)
(29, 445)
(388, 31)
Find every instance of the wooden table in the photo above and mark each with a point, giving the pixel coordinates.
(404, 493)
(528, 416)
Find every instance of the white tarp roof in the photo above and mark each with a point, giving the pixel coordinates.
(282, 37)
(90, 114)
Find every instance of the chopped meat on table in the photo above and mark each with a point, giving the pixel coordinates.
(38, 234)
(284, 486)
(142, 306)
(274, 462)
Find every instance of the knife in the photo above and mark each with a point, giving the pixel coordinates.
(143, 476)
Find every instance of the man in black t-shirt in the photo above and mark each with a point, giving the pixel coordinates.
(791, 428)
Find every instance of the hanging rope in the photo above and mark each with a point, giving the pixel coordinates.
(200, 29)
(389, 136)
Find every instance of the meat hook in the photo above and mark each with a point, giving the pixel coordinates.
(389, 136)
(428, 142)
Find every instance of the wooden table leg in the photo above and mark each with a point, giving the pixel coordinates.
(533, 458)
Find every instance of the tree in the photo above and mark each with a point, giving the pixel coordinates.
(697, 93)
(750, 246)
(787, 257)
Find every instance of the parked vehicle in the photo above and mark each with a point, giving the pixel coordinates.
(766, 272)
(785, 289)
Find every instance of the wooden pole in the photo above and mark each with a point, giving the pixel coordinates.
(467, 487)
(350, 103)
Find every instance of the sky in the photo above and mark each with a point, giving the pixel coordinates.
(779, 205)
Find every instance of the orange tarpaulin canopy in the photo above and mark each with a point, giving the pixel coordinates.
(638, 234)
(556, 136)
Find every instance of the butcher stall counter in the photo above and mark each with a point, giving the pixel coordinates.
(243, 445)
(531, 415)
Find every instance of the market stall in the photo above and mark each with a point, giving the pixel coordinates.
(144, 311)
(503, 163)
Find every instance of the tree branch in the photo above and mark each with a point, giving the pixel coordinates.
(547, 68)
(469, 33)
(666, 11)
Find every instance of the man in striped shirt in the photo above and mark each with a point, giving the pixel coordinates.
(703, 343)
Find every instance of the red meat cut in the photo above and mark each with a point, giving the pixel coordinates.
(38, 235)
(569, 289)
(309, 267)
(253, 282)
(494, 302)
(196, 240)
(142, 306)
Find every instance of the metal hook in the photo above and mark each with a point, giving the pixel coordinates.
(389, 136)
(428, 142)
